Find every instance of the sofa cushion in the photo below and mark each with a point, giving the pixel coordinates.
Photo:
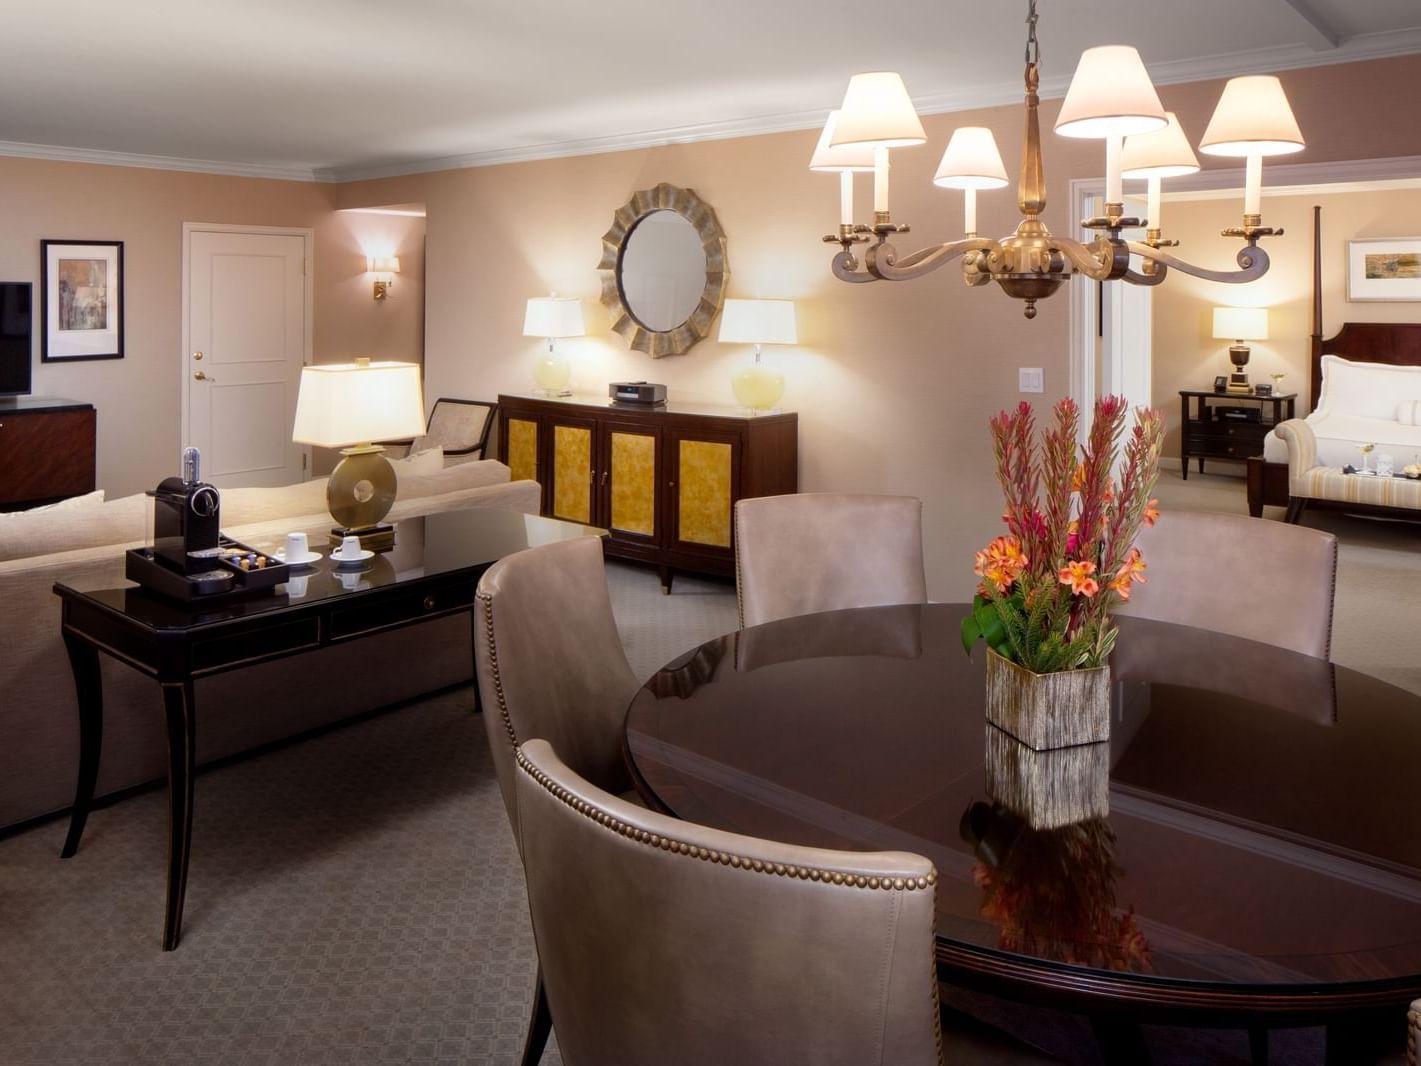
(244, 506)
(61, 529)
(451, 479)
(1366, 390)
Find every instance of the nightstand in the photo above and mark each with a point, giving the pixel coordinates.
(1232, 427)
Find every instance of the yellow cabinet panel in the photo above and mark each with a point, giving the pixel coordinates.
(634, 483)
(522, 449)
(704, 492)
(572, 473)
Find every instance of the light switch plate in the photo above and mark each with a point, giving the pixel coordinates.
(1031, 379)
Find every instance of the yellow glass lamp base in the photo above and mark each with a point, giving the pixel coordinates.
(553, 375)
(361, 489)
(758, 387)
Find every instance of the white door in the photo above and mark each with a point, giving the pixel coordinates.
(247, 327)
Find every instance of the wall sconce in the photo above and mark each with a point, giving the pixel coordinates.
(385, 267)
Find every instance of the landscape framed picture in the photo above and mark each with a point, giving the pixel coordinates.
(81, 313)
(1384, 268)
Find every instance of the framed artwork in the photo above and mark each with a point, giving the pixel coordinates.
(1384, 268)
(81, 312)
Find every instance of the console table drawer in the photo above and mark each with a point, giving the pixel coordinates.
(1217, 431)
(1225, 448)
(301, 635)
(400, 610)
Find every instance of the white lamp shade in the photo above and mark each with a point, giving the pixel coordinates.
(351, 403)
(1111, 95)
(553, 316)
(1253, 118)
(1241, 323)
(758, 322)
(971, 161)
(1162, 154)
(384, 264)
(876, 111)
(852, 157)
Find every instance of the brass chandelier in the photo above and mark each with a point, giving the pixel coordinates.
(1110, 98)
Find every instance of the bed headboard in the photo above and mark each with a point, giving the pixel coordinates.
(1397, 343)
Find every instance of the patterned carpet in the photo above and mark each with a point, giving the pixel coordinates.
(354, 898)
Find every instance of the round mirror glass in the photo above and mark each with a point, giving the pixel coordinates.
(662, 272)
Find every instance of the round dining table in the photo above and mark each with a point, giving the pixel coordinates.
(1245, 850)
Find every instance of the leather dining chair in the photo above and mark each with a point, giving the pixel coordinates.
(666, 942)
(550, 664)
(820, 551)
(1247, 577)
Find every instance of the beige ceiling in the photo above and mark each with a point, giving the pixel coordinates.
(339, 89)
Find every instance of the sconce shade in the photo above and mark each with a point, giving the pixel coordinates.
(1162, 154)
(553, 316)
(384, 264)
(971, 161)
(856, 158)
(1111, 95)
(340, 404)
(758, 322)
(1241, 323)
(1253, 118)
(876, 111)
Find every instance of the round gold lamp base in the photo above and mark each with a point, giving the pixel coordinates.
(361, 489)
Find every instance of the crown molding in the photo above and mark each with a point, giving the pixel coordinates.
(1174, 72)
(1300, 179)
(102, 157)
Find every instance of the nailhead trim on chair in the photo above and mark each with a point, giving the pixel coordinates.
(487, 614)
(739, 585)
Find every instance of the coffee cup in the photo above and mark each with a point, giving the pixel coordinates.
(296, 546)
(350, 548)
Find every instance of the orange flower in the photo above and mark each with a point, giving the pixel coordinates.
(1000, 564)
(1151, 515)
(1077, 478)
(1131, 572)
(1077, 575)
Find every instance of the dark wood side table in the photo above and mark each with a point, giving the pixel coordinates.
(1207, 433)
(437, 562)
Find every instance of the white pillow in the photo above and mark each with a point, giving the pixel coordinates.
(429, 461)
(89, 499)
(1367, 390)
(1408, 412)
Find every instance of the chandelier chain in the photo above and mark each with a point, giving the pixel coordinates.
(1033, 47)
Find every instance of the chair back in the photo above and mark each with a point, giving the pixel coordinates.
(820, 551)
(1247, 577)
(662, 941)
(550, 662)
(460, 427)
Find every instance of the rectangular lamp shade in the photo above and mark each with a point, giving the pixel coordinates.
(383, 264)
(758, 322)
(1241, 323)
(351, 403)
(553, 316)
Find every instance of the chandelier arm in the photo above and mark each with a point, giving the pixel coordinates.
(883, 261)
(1100, 260)
(1134, 277)
(845, 267)
(1252, 261)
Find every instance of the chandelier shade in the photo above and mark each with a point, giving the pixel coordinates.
(971, 161)
(1253, 118)
(1111, 95)
(1165, 153)
(854, 158)
(877, 111)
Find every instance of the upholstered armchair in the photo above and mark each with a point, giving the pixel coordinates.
(460, 427)
(819, 551)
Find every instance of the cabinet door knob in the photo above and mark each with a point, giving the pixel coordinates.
(429, 603)
(604, 478)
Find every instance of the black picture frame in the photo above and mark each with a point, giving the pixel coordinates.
(1221, 383)
(68, 345)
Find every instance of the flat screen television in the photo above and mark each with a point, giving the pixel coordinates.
(16, 322)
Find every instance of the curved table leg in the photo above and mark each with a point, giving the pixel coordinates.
(178, 711)
(88, 686)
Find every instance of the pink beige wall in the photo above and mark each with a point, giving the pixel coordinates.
(894, 383)
(1185, 353)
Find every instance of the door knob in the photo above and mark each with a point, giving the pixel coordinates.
(200, 376)
(197, 355)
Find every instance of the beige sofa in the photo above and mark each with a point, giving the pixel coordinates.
(84, 547)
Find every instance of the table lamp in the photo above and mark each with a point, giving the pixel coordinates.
(1240, 324)
(348, 406)
(758, 322)
(553, 317)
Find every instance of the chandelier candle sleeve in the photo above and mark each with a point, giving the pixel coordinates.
(971, 162)
(1253, 119)
(1165, 153)
(877, 111)
(845, 160)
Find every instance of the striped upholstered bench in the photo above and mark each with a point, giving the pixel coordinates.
(1308, 482)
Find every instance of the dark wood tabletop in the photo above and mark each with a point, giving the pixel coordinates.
(1259, 861)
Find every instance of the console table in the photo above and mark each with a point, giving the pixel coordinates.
(46, 450)
(662, 480)
(432, 572)
(1206, 434)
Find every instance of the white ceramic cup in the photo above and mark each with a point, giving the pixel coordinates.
(296, 546)
(350, 548)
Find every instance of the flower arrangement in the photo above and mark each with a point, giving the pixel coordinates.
(1068, 557)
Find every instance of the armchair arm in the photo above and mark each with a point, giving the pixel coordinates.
(1302, 449)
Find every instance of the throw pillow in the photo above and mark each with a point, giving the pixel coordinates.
(420, 464)
(1407, 413)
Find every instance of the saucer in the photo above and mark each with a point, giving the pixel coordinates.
(309, 559)
(340, 559)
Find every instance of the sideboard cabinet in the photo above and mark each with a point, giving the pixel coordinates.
(663, 480)
(46, 450)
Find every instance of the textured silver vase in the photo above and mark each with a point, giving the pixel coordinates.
(1046, 711)
(1048, 789)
